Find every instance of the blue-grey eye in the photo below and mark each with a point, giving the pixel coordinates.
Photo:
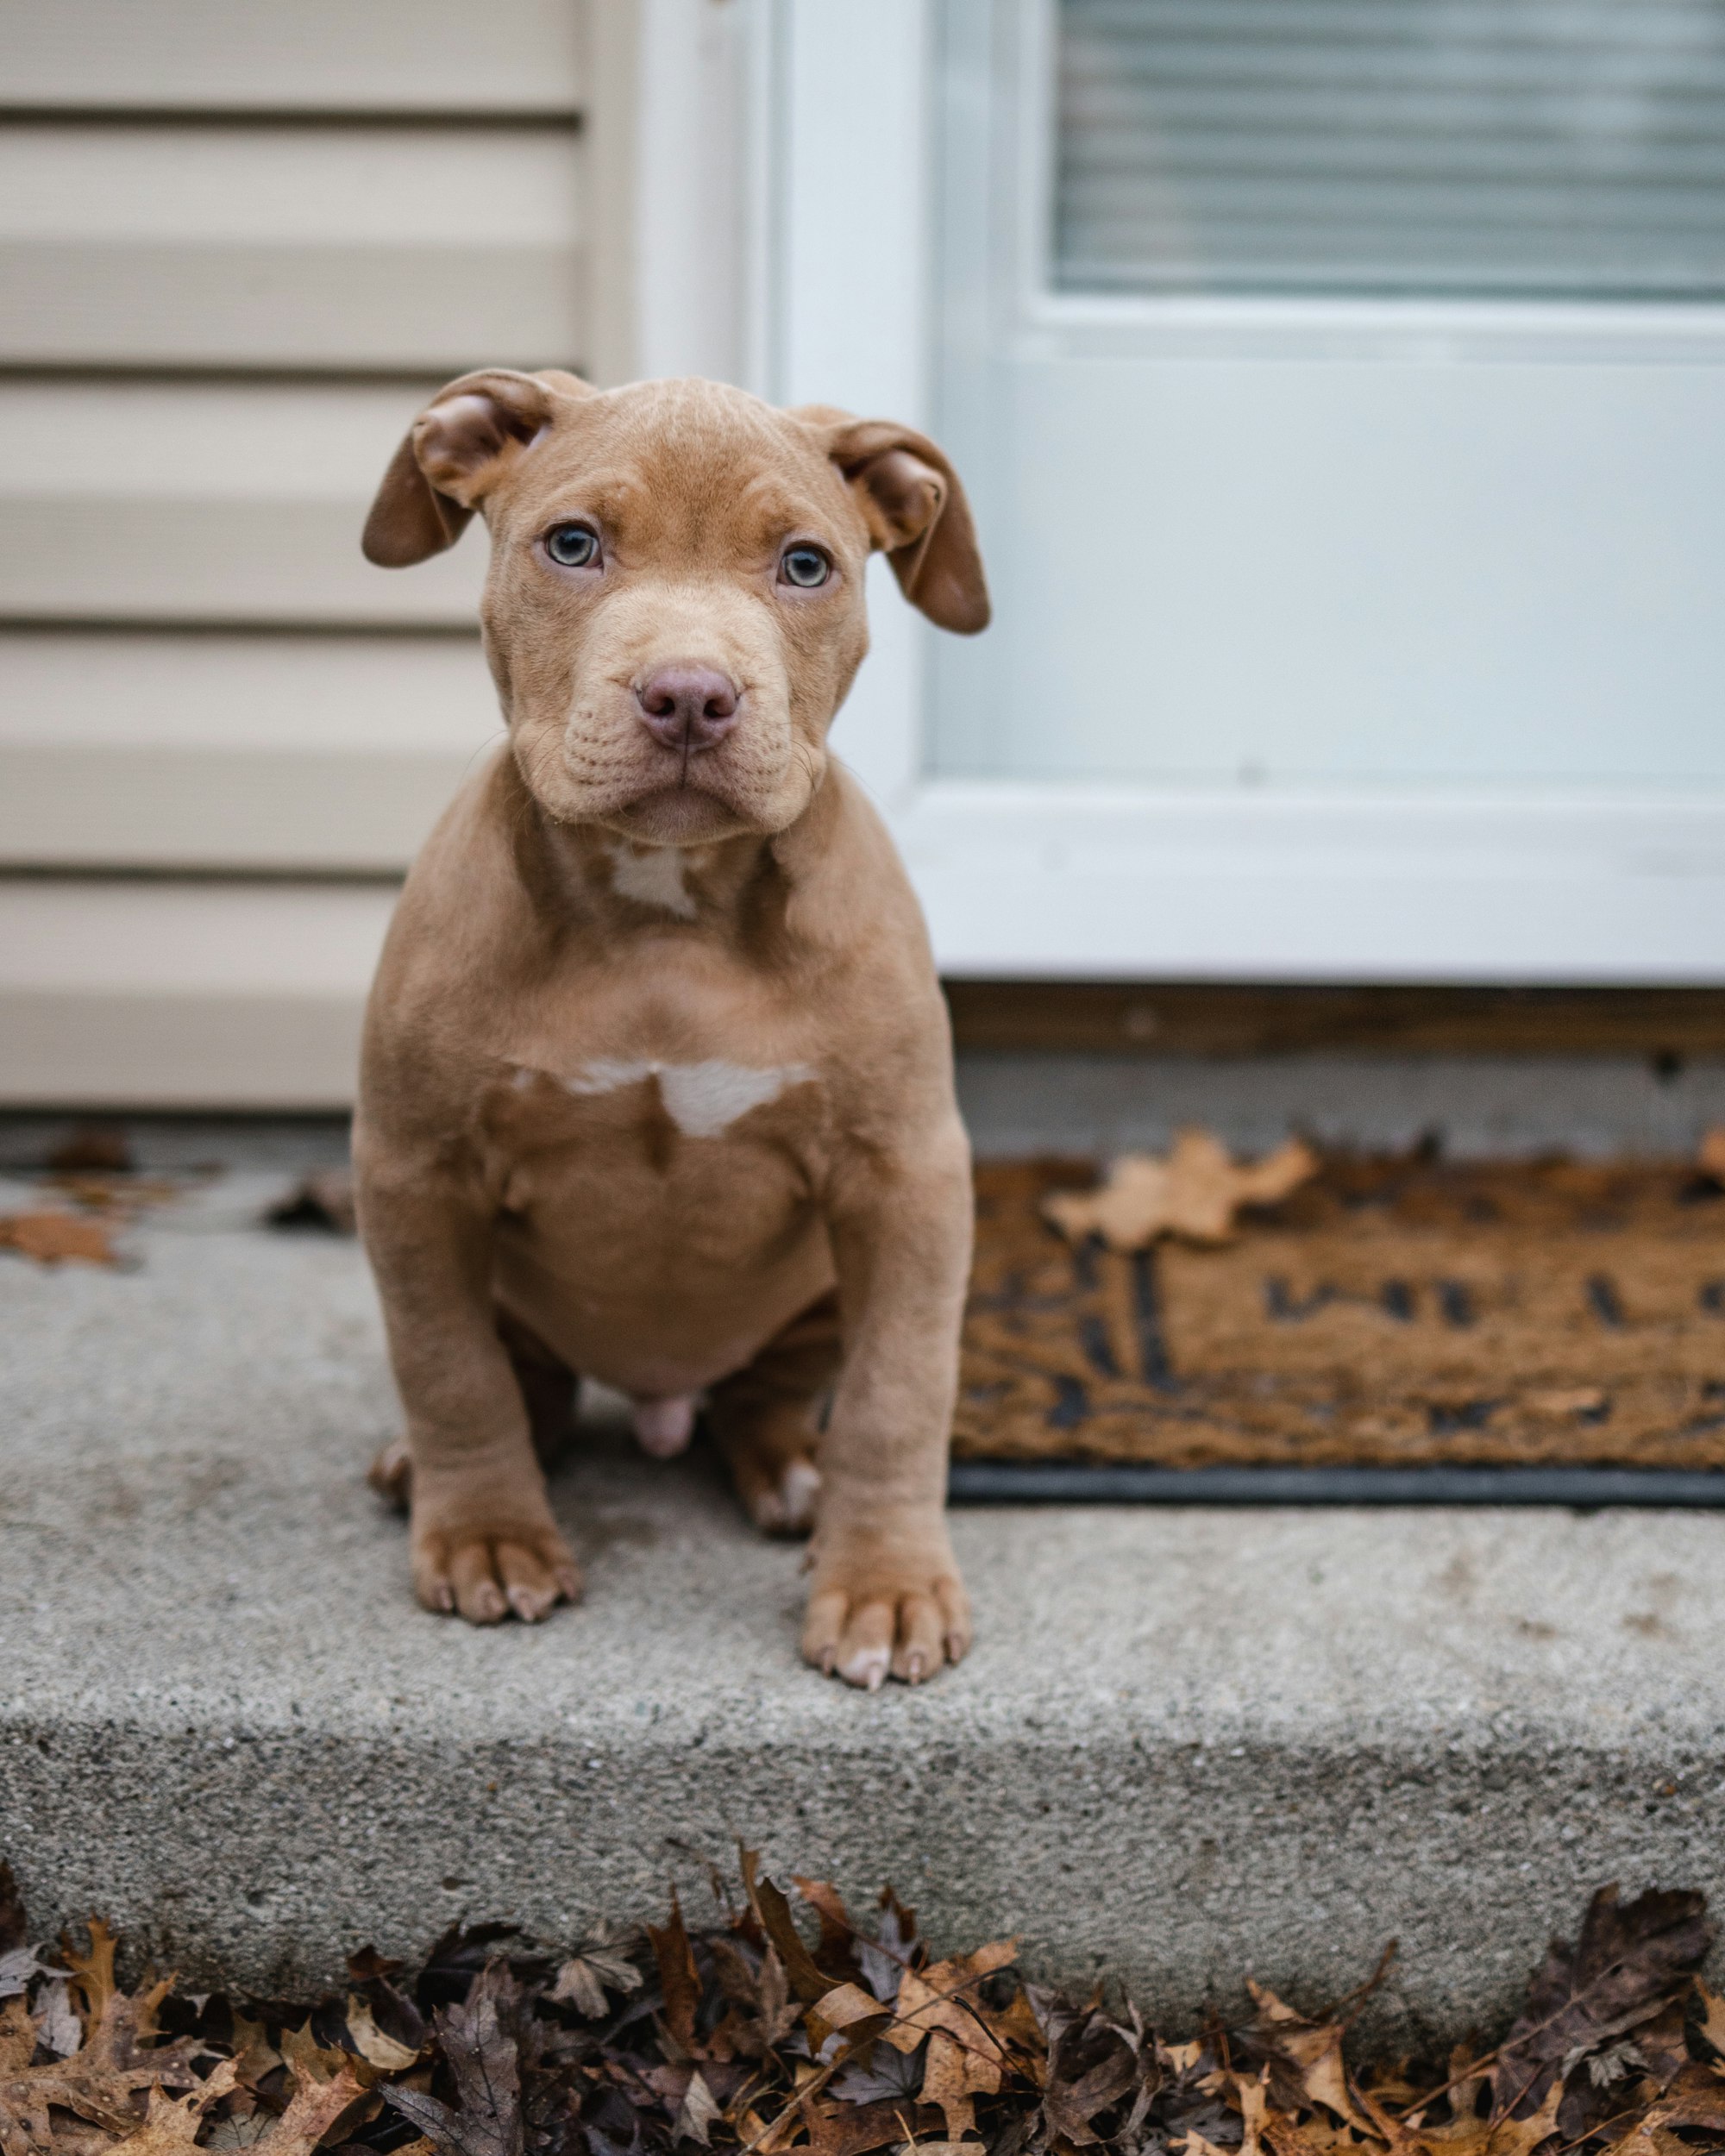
(573, 545)
(805, 566)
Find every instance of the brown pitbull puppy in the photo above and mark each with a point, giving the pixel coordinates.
(657, 1079)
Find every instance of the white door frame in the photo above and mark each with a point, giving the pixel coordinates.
(834, 154)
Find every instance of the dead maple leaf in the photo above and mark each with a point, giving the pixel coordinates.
(1194, 1192)
(1313, 2052)
(1712, 2017)
(678, 1979)
(700, 2112)
(483, 2056)
(52, 1238)
(583, 1980)
(375, 2045)
(851, 2129)
(935, 1998)
(772, 1912)
(1620, 1972)
(846, 2009)
(101, 2081)
(173, 2124)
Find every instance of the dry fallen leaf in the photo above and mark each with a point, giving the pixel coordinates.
(1618, 1974)
(722, 2057)
(484, 2061)
(374, 2044)
(52, 1237)
(1712, 2018)
(1194, 1192)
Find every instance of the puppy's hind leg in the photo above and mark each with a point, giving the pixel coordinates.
(766, 1420)
(549, 1387)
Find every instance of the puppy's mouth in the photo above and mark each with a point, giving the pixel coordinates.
(683, 813)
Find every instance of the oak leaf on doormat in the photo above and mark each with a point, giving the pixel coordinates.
(1194, 1192)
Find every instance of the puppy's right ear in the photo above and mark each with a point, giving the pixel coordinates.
(463, 442)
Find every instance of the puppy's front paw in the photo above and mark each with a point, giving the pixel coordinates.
(482, 1572)
(870, 1619)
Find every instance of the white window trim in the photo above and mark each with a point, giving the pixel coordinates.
(835, 153)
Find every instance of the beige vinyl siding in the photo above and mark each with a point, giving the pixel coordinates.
(281, 752)
(405, 248)
(347, 56)
(239, 246)
(193, 501)
(219, 995)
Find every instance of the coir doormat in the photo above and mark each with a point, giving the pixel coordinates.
(1396, 1327)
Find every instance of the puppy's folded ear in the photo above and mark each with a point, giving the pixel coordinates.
(916, 512)
(454, 453)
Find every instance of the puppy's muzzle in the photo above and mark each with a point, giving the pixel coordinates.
(688, 709)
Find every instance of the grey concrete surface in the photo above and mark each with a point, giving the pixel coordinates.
(1187, 1744)
(1021, 1104)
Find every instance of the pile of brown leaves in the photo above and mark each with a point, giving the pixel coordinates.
(750, 2035)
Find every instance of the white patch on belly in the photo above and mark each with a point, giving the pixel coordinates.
(703, 1099)
(652, 877)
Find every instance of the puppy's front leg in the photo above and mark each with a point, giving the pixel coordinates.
(484, 1539)
(886, 1596)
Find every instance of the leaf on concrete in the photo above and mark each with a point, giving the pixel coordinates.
(1631, 1959)
(1194, 1192)
(53, 1239)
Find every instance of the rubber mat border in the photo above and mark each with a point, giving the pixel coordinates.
(1133, 1482)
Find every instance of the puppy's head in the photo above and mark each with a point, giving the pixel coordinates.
(675, 608)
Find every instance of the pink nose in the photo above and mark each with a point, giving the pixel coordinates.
(687, 707)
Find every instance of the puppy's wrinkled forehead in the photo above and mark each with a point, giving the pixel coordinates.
(681, 470)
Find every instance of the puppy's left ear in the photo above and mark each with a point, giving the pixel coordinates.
(455, 452)
(917, 514)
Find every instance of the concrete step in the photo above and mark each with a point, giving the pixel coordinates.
(1189, 1744)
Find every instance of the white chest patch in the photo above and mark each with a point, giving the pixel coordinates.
(652, 876)
(703, 1099)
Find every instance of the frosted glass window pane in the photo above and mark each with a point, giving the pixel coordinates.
(1539, 148)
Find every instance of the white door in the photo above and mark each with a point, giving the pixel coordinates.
(1342, 386)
